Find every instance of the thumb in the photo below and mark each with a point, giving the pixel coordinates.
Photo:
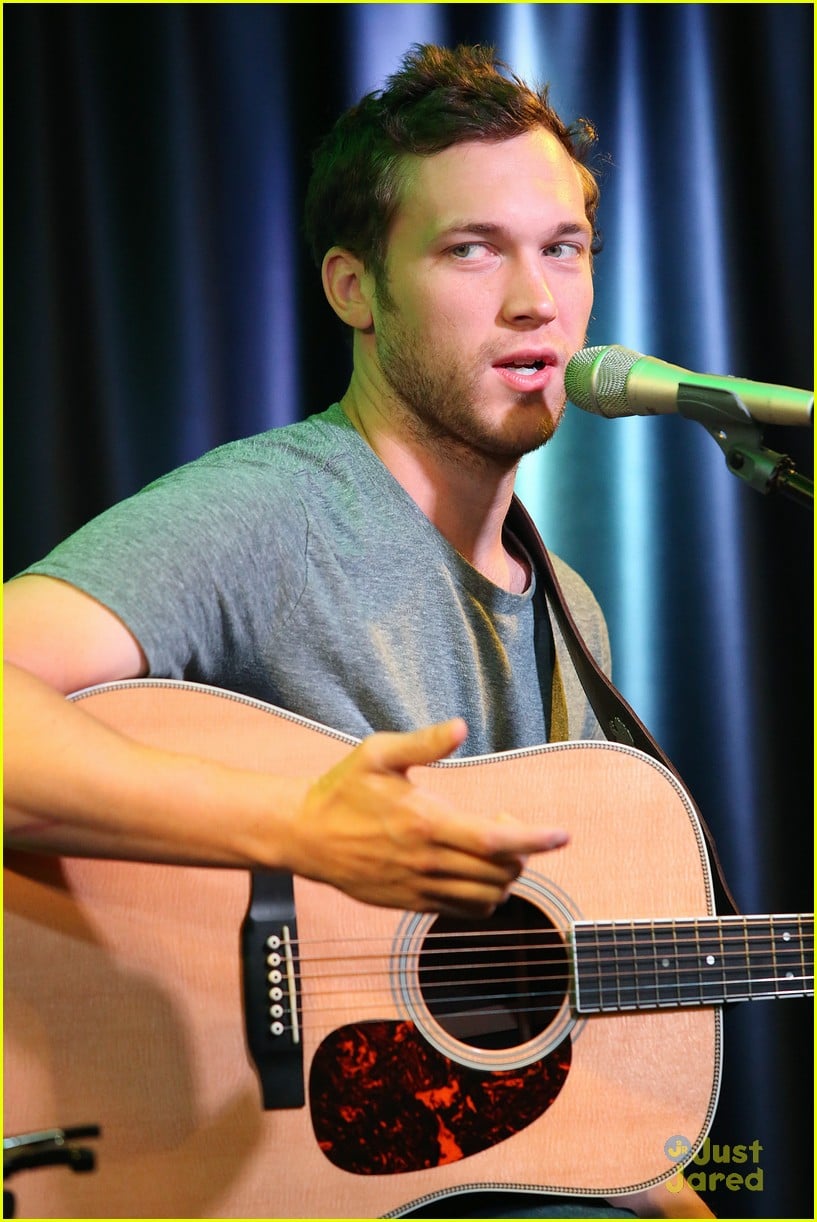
(397, 752)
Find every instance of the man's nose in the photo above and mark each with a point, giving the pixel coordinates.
(528, 300)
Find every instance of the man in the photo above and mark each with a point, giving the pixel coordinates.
(360, 569)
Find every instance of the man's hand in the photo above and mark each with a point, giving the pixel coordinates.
(366, 828)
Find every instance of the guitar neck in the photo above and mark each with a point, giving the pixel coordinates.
(634, 965)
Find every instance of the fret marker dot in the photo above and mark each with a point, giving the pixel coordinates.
(665, 962)
(787, 937)
(710, 959)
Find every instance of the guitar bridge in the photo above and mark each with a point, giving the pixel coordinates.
(272, 1011)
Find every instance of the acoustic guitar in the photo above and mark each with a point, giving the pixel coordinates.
(262, 1046)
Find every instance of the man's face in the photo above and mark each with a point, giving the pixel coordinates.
(487, 295)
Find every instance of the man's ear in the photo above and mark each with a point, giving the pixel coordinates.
(349, 288)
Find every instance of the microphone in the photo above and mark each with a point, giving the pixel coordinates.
(613, 381)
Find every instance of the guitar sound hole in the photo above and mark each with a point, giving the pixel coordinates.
(498, 982)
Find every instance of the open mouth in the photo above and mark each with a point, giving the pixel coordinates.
(524, 367)
(527, 367)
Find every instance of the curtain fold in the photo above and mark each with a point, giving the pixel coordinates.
(159, 301)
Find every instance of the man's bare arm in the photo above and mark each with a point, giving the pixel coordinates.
(73, 785)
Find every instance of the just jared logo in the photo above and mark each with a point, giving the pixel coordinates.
(716, 1165)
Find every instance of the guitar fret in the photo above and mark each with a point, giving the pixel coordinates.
(735, 973)
(663, 983)
(788, 955)
(802, 945)
(682, 986)
(632, 983)
(722, 960)
(649, 990)
(712, 970)
(657, 961)
(747, 959)
(619, 935)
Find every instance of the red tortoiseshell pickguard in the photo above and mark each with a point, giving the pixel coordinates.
(383, 1100)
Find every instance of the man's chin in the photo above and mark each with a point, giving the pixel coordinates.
(508, 448)
(530, 429)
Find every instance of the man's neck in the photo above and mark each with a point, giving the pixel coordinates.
(466, 496)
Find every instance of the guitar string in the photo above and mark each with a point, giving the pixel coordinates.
(552, 998)
(655, 971)
(635, 938)
(607, 972)
(625, 978)
(489, 1006)
(738, 946)
(624, 995)
(589, 964)
(662, 982)
(649, 988)
(732, 953)
(655, 978)
(689, 928)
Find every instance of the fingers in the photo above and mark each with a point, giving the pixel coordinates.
(369, 829)
(453, 898)
(476, 874)
(395, 752)
(497, 840)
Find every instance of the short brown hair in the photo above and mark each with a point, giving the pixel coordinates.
(439, 97)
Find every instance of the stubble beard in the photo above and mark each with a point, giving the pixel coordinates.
(440, 399)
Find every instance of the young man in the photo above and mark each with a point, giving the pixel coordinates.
(361, 569)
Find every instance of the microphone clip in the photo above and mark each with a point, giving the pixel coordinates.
(726, 418)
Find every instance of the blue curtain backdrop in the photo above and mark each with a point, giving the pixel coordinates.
(159, 301)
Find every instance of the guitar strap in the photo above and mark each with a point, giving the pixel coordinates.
(618, 721)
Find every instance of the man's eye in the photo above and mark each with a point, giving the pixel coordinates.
(467, 250)
(563, 250)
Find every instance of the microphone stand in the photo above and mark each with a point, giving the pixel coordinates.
(726, 418)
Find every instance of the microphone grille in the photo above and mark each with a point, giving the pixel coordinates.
(596, 379)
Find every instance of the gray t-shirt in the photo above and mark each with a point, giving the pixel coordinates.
(293, 567)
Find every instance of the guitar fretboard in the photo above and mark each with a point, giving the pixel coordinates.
(633, 965)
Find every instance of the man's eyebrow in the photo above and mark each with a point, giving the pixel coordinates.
(483, 227)
(565, 229)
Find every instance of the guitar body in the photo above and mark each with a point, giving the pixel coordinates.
(123, 1005)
